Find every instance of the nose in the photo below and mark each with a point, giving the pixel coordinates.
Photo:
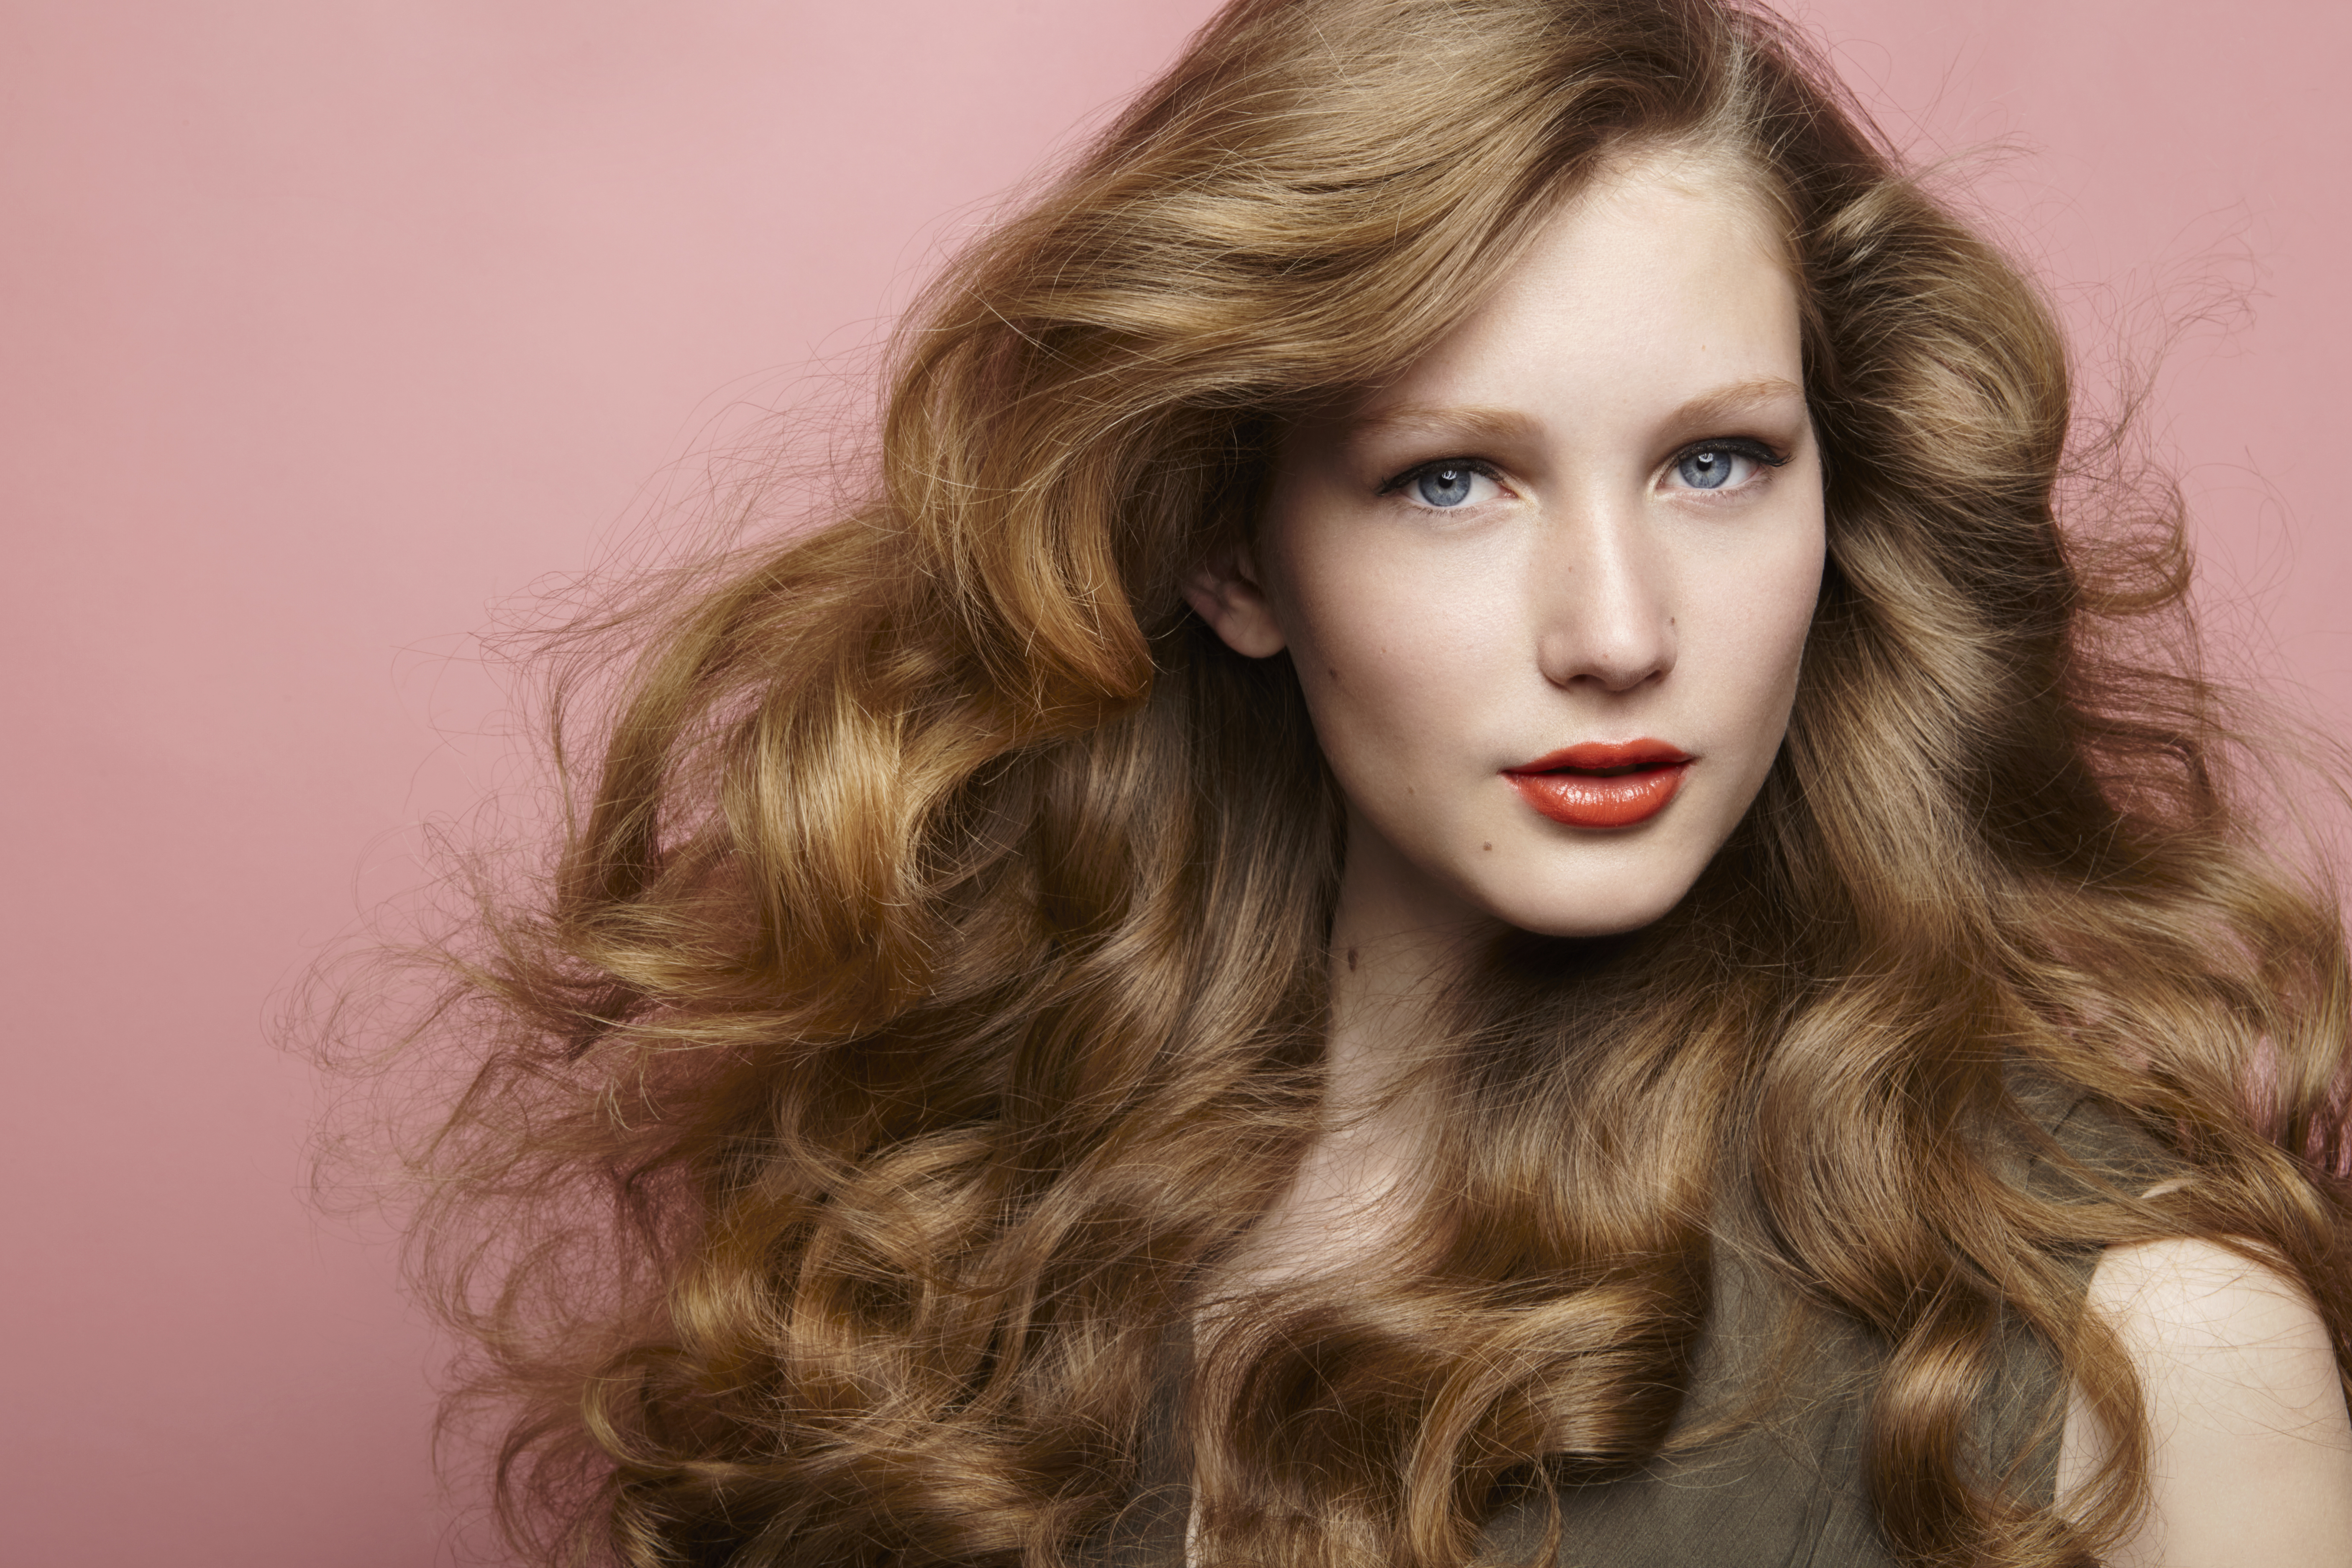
(1601, 606)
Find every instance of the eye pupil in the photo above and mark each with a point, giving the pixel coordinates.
(1444, 487)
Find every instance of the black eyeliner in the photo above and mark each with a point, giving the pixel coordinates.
(1743, 445)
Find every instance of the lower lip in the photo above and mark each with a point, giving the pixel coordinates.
(1602, 800)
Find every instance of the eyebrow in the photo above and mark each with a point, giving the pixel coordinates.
(1502, 424)
(1436, 419)
(1709, 406)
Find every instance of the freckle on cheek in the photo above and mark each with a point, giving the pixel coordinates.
(1486, 847)
(1351, 961)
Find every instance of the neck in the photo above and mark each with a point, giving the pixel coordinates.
(1397, 944)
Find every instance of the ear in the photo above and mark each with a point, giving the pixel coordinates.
(1225, 591)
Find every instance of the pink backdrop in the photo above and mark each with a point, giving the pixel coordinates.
(331, 326)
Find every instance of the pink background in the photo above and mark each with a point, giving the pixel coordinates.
(331, 326)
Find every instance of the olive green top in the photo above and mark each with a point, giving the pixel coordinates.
(1784, 1490)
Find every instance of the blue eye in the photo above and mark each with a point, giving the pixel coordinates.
(1444, 487)
(1709, 468)
(1447, 484)
(1721, 465)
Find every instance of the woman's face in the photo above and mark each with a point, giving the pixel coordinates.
(1547, 591)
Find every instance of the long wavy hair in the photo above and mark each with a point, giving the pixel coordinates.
(928, 988)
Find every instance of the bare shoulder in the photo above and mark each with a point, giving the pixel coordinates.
(2250, 1454)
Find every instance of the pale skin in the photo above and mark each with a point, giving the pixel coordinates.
(1593, 512)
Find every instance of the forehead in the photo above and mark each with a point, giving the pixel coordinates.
(1666, 273)
(1728, 184)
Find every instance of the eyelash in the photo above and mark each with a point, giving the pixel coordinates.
(1436, 465)
(1754, 451)
(1738, 445)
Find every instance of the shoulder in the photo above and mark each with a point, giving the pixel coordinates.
(2198, 1301)
(2249, 1447)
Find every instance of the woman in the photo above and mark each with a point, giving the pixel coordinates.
(1453, 867)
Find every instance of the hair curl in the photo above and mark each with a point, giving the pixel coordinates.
(930, 988)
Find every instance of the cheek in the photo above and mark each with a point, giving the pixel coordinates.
(1767, 612)
(1386, 644)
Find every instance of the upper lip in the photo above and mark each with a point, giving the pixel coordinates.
(1605, 756)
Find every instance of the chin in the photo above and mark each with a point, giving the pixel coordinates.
(1606, 911)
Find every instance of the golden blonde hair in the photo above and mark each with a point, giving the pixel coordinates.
(929, 989)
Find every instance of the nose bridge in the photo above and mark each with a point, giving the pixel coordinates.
(1602, 592)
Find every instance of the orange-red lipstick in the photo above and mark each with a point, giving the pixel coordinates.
(1603, 783)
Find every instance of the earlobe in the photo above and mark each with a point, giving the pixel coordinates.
(1224, 590)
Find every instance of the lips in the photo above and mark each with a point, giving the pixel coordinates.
(1602, 783)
